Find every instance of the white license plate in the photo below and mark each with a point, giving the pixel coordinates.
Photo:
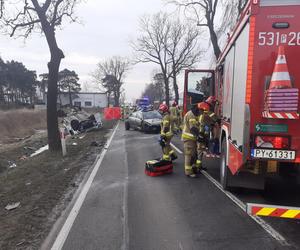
(273, 154)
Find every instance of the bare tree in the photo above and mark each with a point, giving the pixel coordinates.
(182, 49)
(26, 16)
(110, 75)
(169, 44)
(150, 46)
(205, 13)
(68, 81)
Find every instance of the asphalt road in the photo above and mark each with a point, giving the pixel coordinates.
(125, 209)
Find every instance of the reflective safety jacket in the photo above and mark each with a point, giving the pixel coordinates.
(189, 121)
(166, 126)
(174, 112)
(207, 119)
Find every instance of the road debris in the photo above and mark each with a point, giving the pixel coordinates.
(20, 243)
(21, 139)
(23, 157)
(96, 144)
(30, 148)
(39, 151)
(12, 164)
(12, 206)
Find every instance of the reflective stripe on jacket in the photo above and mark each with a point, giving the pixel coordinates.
(166, 126)
(189, 121)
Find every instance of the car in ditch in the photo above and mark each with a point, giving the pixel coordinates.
(146, 121)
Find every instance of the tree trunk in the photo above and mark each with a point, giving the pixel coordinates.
(52, 122)
(70, 97)
(175, 85)
(176, 89)
(214, 39)
(167, 90)
(117, 99)
(53, 67)
(2, 98)
(108, 99)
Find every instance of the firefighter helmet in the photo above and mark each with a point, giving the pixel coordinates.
(174, 104)
(163, 108)
(204, 106)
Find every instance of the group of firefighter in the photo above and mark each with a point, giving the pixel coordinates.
(199, 125)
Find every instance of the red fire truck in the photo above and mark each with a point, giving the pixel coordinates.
(256, 82)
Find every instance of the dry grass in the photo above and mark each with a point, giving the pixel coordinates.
(20, 123)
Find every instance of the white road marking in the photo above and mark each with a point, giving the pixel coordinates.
(125, 244)
(145, 137)
(180, 246)
(64, 232)
(268, 228)
(177, 149)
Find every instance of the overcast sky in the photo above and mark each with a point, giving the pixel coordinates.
(106, 29)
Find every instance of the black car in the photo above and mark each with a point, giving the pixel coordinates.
(146, 121)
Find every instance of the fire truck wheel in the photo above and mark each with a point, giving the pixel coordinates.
(223, 168)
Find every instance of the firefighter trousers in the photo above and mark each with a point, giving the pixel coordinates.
(168, 152)
(175, 127)
(190, 156)
(201, 149)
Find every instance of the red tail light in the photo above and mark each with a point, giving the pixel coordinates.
(277, 142)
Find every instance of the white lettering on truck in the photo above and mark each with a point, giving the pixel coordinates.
(276, 38)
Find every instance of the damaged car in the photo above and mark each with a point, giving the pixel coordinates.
(146, 121)
(81, 121)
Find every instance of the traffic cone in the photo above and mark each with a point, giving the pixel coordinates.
(281, 77)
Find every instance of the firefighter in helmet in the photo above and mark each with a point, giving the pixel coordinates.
(122, 112)
(203, 133)
(206, 122)
(189, 137)
(174, 112)
(215, 125)
(125, 111)
(166, 134)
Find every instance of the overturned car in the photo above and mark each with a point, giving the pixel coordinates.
(81, 121)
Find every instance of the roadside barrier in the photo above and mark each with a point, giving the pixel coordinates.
(112, 113)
